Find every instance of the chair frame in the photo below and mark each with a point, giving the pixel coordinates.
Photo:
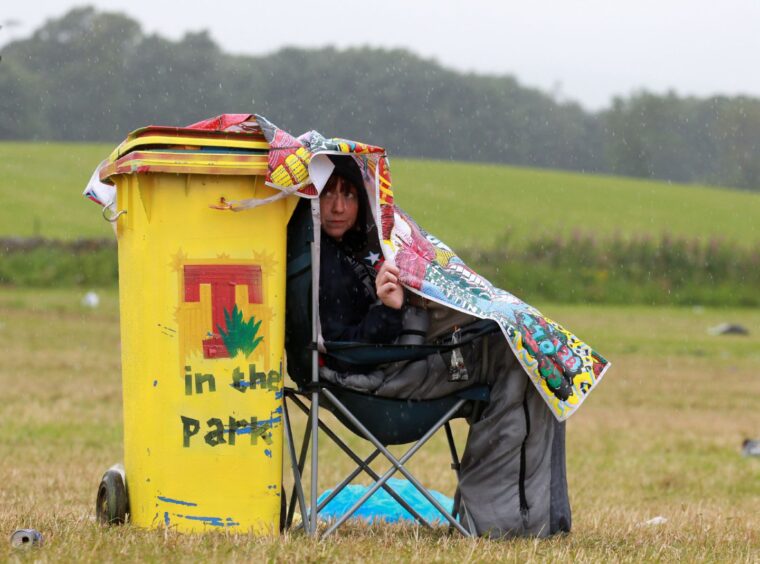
(296, 397)
(311, 439)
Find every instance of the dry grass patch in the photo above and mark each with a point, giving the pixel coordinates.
(660, 437)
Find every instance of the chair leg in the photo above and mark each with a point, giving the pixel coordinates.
(312, 430)
(361, 465)
(301, 464)
(293, 499)
(452, 449)
(398, 464)
(348, 479)
(455, 467)
(457, 500)
(470, 524)
(297, 485)
(315, 335)
(459, 505)
(314, 462)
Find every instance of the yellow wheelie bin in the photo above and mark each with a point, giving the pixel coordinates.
(202, 298)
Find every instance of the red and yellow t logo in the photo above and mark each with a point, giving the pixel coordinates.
(223, 279)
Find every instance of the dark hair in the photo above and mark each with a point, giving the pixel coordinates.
(355, 239)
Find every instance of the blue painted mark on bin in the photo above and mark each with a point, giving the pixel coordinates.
(177, 501)
(278, 394)
(261, 426)
(214, 521)
(268, 452)
(271, 421)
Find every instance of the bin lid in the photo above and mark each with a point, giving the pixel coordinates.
(154, 135)
(187, 162)
(189, 151)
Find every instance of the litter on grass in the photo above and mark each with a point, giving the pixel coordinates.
(382, 507)
(91, 299)
(26, 538)
(659, 520)
(751, 447)
(728, 329)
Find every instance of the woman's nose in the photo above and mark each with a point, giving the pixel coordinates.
(339, 204)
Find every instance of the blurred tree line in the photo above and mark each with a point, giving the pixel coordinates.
(91, 76)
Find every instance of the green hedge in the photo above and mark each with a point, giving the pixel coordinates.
(47, 263)
(641, 270)
(578, 269)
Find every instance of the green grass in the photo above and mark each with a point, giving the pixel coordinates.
(660, 436)
(464, 204)
(41, 188)
(475, 204)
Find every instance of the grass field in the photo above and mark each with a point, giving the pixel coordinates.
(659, 437)
(464, 204)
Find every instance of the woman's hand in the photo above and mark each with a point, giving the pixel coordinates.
(390, 292)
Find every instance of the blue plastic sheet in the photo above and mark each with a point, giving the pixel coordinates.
(382, 507)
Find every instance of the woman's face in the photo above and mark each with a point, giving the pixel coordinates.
(338, 206)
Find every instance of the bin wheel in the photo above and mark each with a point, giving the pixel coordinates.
(111, 504)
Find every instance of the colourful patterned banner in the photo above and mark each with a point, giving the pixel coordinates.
(563, 368)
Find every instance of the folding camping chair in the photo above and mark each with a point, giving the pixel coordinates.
(381, 421)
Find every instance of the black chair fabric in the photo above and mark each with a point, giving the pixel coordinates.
(397, 422)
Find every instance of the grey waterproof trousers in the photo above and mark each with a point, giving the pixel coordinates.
(512, 480)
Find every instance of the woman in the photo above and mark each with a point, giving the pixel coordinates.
(369, 311)
(362, 302)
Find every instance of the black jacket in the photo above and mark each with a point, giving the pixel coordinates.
(349, 309)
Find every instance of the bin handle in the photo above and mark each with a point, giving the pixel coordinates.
(240, 205)
(112, 218)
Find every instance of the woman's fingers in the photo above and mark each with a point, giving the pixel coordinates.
(388, 268)
(383, 289)
(388, 288)
(388, 277)
(388, 273)
(392, 268)
(391, 295)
